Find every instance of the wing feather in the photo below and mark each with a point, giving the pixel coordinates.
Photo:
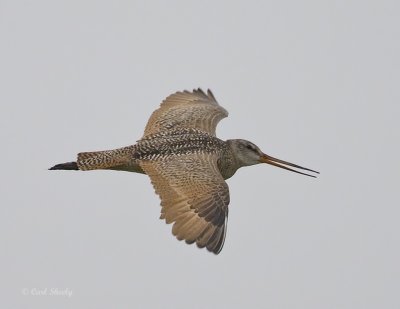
(196, 109)
(196, 202)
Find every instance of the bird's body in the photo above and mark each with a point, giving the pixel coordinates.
(187, 165)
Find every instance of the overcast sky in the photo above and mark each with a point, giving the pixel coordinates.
(312, 82)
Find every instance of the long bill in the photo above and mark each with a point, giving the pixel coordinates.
(283, 164)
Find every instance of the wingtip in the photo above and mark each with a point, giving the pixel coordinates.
(211, 94)
(199, 90)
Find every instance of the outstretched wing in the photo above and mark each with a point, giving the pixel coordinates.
(186, 109)
(193, 195)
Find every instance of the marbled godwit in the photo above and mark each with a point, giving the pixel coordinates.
(187, 165)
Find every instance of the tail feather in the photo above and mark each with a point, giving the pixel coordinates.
(65, 166)
(118, 159)
(105, 159)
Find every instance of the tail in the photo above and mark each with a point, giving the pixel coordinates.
(117, 159)
(65, 166)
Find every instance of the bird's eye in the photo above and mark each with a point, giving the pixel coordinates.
(249, 147)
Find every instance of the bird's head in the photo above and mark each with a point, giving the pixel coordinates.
(247, 153)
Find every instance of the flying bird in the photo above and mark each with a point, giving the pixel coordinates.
(187, 165)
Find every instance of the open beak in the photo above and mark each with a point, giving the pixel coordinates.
(283, 164)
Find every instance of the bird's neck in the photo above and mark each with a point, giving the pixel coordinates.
(228, 163)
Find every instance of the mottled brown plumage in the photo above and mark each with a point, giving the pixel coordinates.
(187, 165)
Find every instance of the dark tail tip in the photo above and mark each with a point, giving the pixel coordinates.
(65, 166)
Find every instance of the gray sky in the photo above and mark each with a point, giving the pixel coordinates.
(312, 82)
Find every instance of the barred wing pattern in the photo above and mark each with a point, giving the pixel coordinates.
(193, 195)
(186, 109)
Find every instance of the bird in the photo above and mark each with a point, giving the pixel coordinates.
(188, 165)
